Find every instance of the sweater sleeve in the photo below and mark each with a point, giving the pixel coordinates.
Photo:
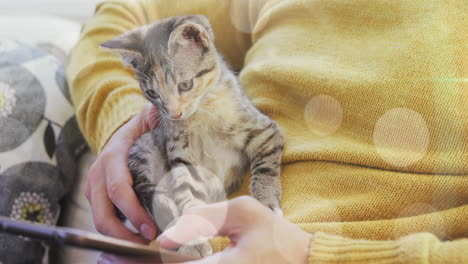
(104, 93)
(415, 248)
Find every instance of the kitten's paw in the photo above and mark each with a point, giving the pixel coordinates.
(200, 250)
(278, 211)
(274, 205)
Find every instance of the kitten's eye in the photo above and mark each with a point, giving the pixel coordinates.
(152, 94)
(186, 86)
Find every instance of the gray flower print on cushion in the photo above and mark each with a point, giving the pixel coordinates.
(70, 145)
(33, 207)
(33, 177)
(12, 52)
(26, 193)
(22, 105)
(62, 83)
(60, 78)
(54, 50)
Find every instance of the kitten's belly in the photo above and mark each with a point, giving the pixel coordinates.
(228, 164)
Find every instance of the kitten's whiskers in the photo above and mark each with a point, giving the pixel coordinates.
(146, 77)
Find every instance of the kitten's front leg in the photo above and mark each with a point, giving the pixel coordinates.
(186, 189)
(264, 148)
(186, 195)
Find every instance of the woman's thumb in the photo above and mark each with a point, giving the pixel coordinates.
(205, 221)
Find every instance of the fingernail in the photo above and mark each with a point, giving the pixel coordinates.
(148, 232)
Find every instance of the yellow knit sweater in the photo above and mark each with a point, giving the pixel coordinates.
(371, 94)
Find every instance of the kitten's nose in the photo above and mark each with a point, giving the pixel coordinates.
(176, 116)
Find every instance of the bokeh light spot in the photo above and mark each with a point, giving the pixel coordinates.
(401, 137)
(323, 115)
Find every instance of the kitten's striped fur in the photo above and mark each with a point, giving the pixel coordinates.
(210, 134)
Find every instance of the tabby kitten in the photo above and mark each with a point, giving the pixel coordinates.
(209, 134)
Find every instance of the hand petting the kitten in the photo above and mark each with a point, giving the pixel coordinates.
(257, 234)
(109, 183)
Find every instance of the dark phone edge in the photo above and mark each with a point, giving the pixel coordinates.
(87, 240)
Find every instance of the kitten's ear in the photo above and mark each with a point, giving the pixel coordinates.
(194, 32)
(128, 45)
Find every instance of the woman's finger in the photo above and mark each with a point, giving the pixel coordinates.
(123, 196)
(187, 228)
(104, 216)
(226, 219)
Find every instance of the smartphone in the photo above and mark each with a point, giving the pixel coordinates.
(86, 240)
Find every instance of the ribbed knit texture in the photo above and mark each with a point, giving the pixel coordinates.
(372, 96)
(417, 248)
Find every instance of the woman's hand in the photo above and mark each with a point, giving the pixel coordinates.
(257, 234)
(110, 183)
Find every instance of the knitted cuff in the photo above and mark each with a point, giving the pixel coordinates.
(335, 249)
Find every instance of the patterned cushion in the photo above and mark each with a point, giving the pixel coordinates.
(39, 142)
